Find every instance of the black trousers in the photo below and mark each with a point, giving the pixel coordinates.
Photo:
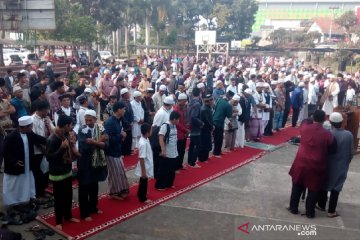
(333, 200)
(142, 190)
(193, 150)
(1, 149)
(156, 157)
(88, 199)
(311, 110)
(103, 104)
(269, 126)
(295, 116)
(218, 139)
(181, 146)
(286, 115)
(203, 155)
(310, 202)
(166, 173)
(126, 144)
(41, 179)
(63, 199)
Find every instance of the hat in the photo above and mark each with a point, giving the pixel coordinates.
(17, 88)
(248, 91)
(107, 71)
(330, 76)
(73, 66)
(301, 84)
(266, 85)
(90, 112)
(336, 117)
(236, 98)
(25, 121)
(162, 88)
(230, 93)
(123, 91)
(32, 73)
(259, 84)
(49, 64)
(208, 97)
(174, 73)
(88, 90)
(169, 100)
(137, 94)
(150, 90)
(200, 85)
(274, 82)
(182, 96)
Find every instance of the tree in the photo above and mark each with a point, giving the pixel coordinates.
(240, 20)
(348, 20)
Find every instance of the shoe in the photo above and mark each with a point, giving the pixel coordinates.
(333, 215)
(320, 208)
(292, 211)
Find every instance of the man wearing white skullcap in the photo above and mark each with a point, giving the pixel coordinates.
(330, 97)
(106, 85)
(138, 119)
(159, 97)
(232, 124)
(338, 165)
(19, 183)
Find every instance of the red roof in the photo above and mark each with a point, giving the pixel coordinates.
(325, 23)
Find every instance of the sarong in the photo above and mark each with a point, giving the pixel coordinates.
(117, 180)
(255, 128)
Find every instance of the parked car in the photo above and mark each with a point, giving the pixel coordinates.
(29, 58)
(106, 55)
(12, 59)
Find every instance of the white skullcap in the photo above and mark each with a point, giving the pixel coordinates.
(236, 97)
(330, 76)
(274, 82)
(107, 71)
(25, 121)
(162, 88)
(248, 91)
(88, 90)
(73, 66)
(17, 88)
(218, 82)
(283, 69)
(220, 66)
(174, 73)
(91, 113)
(23, 71)
(200, 85)
(137, 94)
(32, 73)
(123, 91)
(259, 84)
(348, 76)
(182, 96)
(336, 117)
(49, 64)
(169, 100)
(301, 84)
(266, 85)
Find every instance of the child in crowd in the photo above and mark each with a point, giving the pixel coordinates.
(350, 96)
(145, 166)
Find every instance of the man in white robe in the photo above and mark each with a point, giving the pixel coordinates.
(138, 119)
(331, 95)
(18, 182)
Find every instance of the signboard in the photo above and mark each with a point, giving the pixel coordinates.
(19, 15)
(205, 37)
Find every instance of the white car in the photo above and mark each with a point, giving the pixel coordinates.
(12, 59)
(106, 55)
(29, 58)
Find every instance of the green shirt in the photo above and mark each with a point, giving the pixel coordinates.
(222, 110)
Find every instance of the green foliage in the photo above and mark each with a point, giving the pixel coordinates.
(348, 20)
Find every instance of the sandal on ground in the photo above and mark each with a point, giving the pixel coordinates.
(320, 208)
(333, 215)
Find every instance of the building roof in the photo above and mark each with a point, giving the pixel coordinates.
(324, 24)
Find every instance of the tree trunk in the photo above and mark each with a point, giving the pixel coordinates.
(97, 36)
(1, 50)
(135, 34)
(127, 41)
(118, 42)
(114, 42)
(147, 33)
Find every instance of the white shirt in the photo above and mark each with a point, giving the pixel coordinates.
(232, 88)
(67, 112)
(161, 116)
(312, 95)
(81, 117)
(145, 152)
(350, 95)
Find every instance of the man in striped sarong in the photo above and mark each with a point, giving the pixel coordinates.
(118, 182)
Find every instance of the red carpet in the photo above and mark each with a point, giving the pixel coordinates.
(282, 136)
(117, 211)
(129, 162)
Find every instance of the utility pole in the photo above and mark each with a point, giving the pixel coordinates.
(332, 20)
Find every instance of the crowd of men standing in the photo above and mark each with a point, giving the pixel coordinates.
(99, 115)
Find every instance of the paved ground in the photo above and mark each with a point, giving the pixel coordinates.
(255, 195)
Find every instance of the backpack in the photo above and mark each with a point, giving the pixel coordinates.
(154, 138)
